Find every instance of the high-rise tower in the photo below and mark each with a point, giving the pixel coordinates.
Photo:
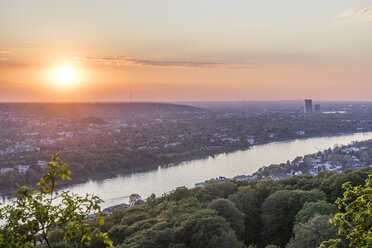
(317, 108)
(308, 106)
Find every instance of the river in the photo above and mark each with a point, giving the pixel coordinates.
(116, 190)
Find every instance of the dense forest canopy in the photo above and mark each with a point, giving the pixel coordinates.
(291, 213)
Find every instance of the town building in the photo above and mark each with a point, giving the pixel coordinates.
(317, 108)
(308, 106)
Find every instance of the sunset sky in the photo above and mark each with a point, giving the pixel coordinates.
(191, 50)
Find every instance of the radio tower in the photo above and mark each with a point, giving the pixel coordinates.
(131, 96)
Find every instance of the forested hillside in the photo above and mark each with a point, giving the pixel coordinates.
(292, 212)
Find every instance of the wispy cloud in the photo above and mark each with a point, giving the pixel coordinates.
(7, 63)
(364, 14)
(120, 61)
(346, 13)
(340, 22)
(365, 10)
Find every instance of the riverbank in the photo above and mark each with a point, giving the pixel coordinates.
(175, 162)
(160, 179)
(190, 158)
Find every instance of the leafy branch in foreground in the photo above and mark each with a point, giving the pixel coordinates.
(35, 213)
(355, 220)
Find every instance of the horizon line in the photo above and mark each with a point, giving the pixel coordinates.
(173, 102)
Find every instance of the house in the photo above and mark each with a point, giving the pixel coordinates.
(42, 163)
(271, 135)
(200, 185)
(351, 149)
(171, 144)
(332, 167)
(251, 141)
(4, 170)
(23, 168)
(241, 177)
(301, 133)
(314, 161)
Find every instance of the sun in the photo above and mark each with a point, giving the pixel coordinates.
(65, 74)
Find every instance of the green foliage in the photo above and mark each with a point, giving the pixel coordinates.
(99, 239)
(355, 221)
(333, 184)
(206, 229)
(312, 233)
(36, 213)
(212, 216)
(263, 213)
(118, 214)
(117, 233)
(217, 189)
(133, 216)
(247, 201)
(310, 209)
(230, 213)
(266, 187)
(56, 236)
(178, 194)
(279, 211)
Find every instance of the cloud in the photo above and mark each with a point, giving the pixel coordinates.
(346, 13)
(120, 61)
(365, 11)
(6, 63)
(340, 22)
(364, 14)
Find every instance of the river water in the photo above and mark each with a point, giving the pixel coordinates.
(116, 190)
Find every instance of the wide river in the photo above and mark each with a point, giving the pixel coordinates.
(116, 190)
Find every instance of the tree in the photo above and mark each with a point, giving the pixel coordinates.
(151, 197)
(279, 211)
(134, 198)
(214, 190)
(355, 220)
(310, 209)
(247, 201)
(35, 213)
(206, 229)
(312, 233)
(232, 215)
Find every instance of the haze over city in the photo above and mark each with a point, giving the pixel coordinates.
(185, 50)
(185, 123)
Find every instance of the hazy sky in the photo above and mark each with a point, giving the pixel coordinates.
(172, 50)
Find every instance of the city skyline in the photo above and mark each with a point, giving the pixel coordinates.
(185, 51)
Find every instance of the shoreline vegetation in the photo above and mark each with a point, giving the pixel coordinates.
(121, 172)
(288, 213)
(102, 176)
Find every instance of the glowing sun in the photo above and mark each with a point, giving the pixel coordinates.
(65, 74)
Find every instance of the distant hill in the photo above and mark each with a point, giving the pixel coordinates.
(103, 110)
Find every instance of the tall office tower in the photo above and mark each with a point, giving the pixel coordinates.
(317, 108)
(308, 106)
